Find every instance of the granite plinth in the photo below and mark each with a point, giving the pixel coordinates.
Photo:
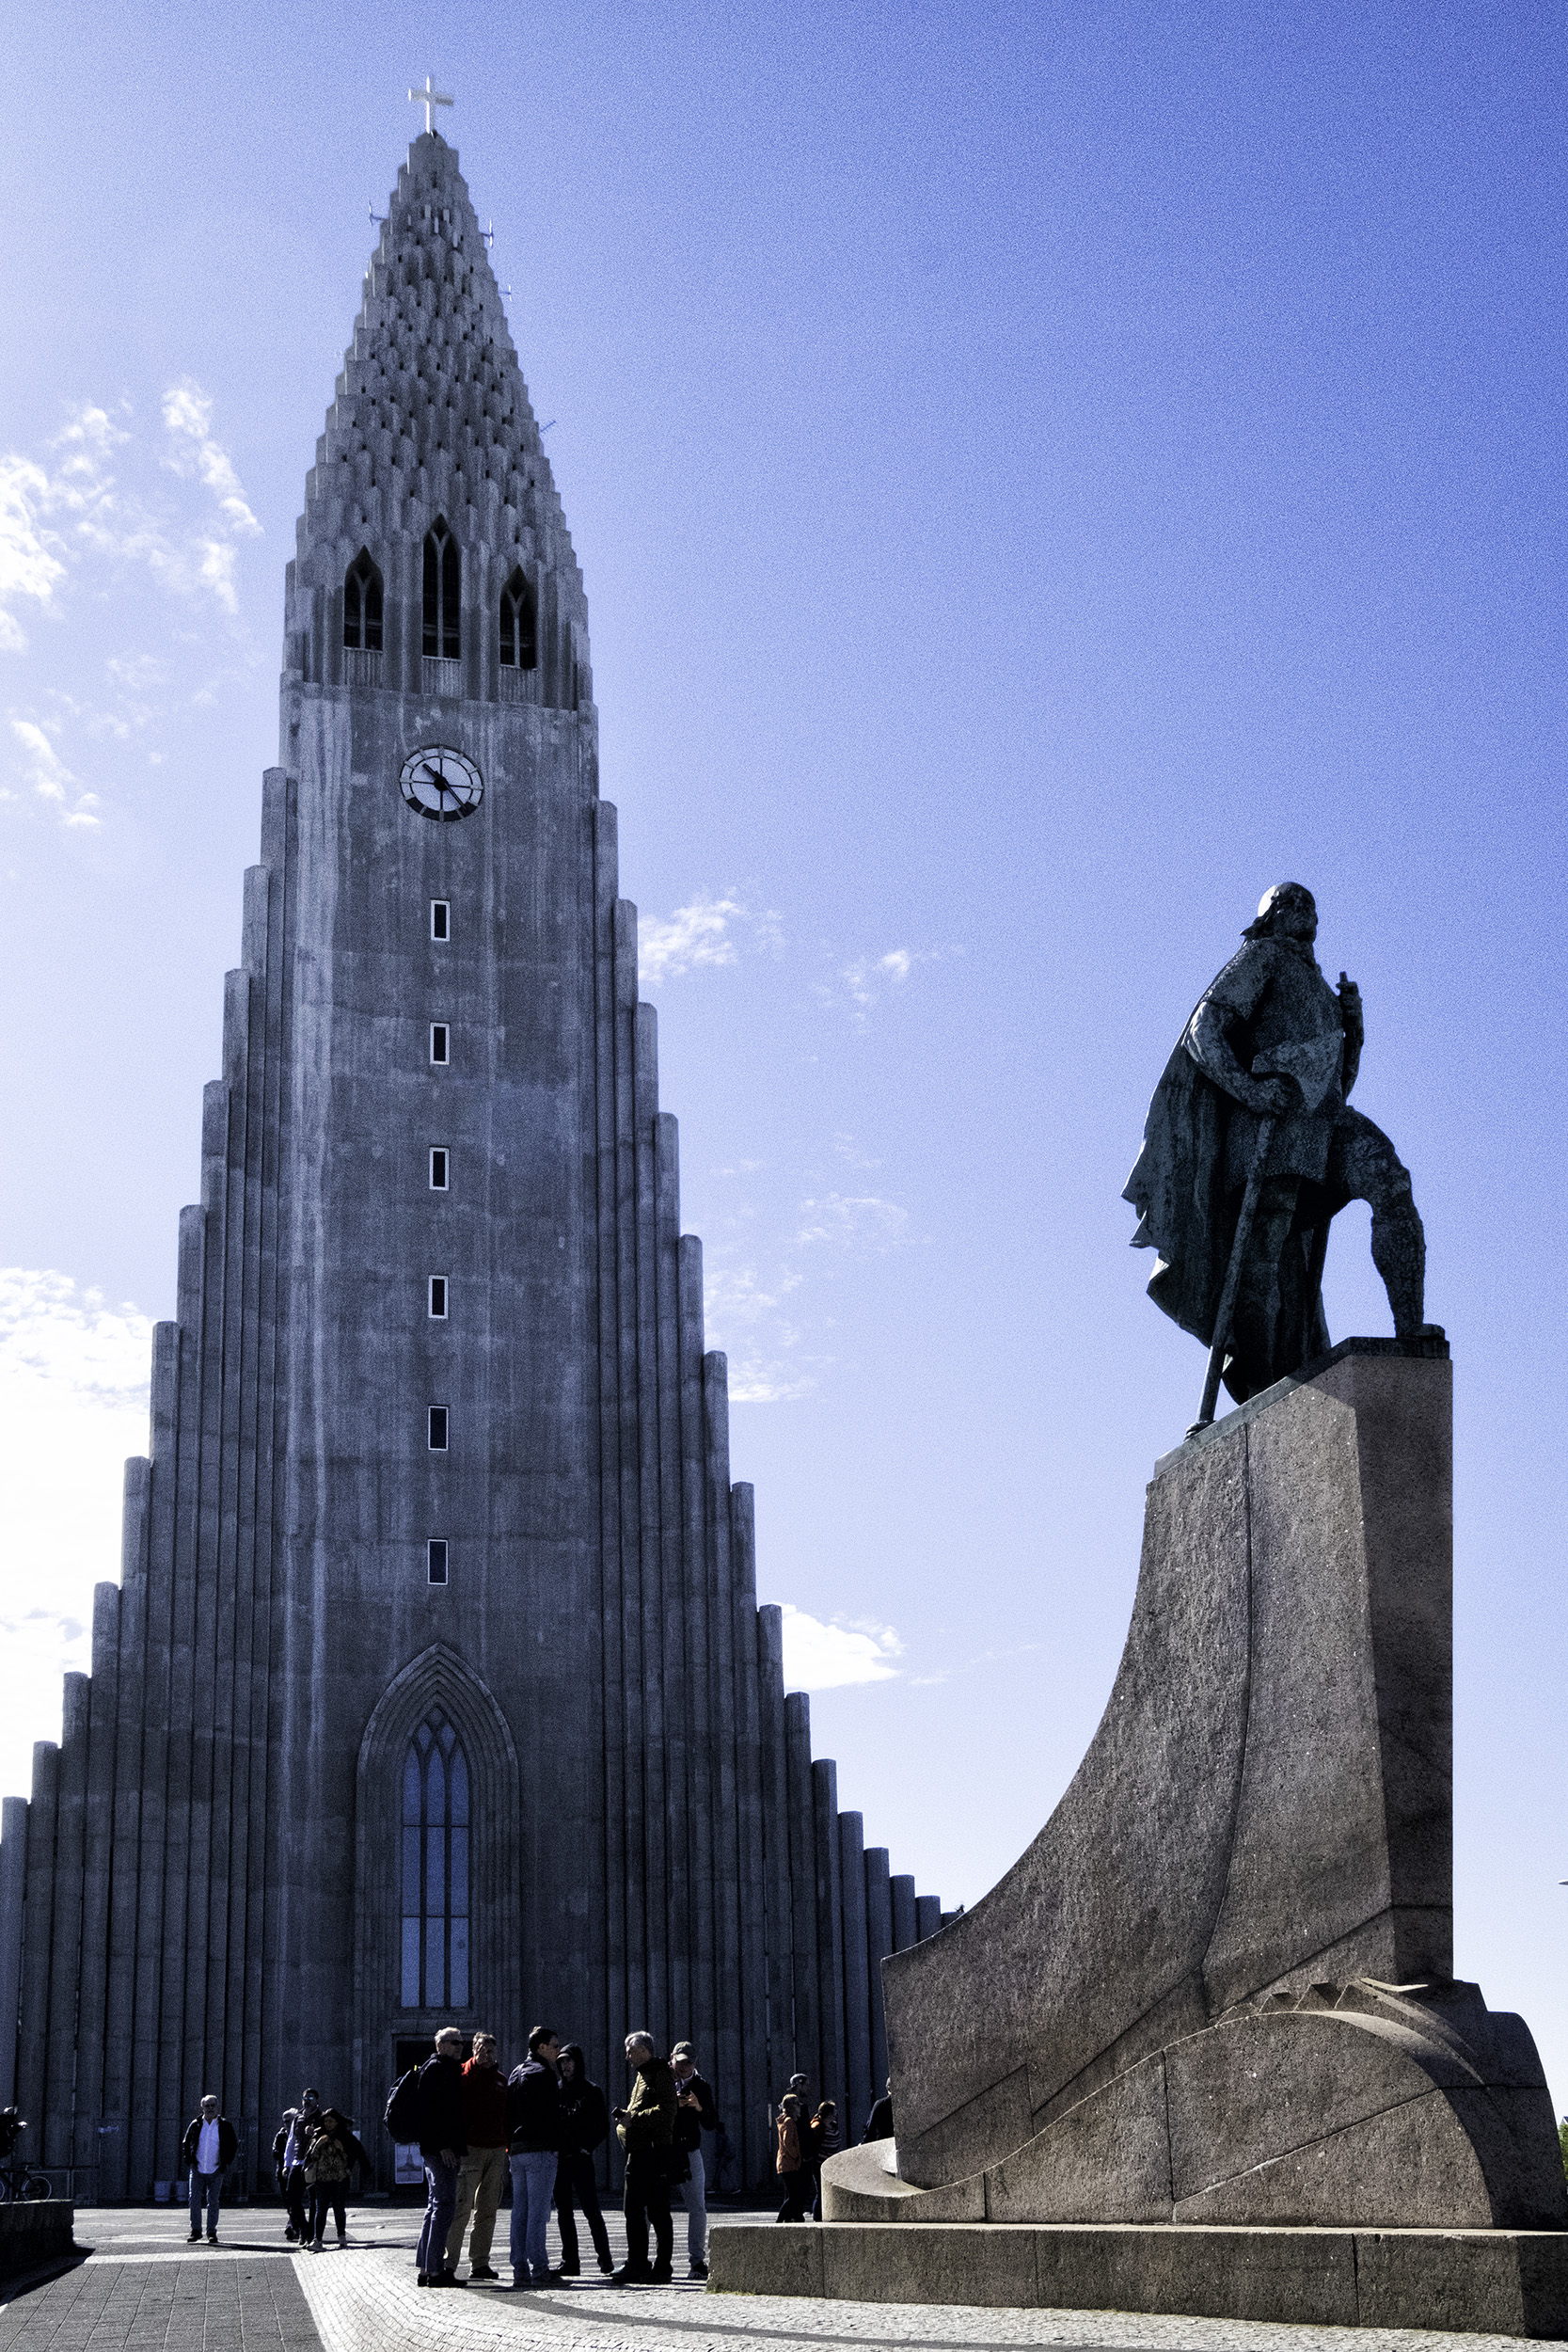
(1218, 1987)
(1473, 2281)
(33, 2234)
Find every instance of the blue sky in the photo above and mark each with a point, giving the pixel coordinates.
(1041, 476)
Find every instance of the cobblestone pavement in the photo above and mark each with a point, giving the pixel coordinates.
(144, 2289)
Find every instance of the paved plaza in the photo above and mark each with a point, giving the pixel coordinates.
(144, 2289)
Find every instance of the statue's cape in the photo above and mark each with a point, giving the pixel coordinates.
(1176, 1186)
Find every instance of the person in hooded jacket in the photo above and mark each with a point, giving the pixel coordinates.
(584, 2126)
(330, 2157)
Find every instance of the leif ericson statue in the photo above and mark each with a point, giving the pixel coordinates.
(1250, 1149)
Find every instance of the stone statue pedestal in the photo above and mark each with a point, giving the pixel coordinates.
(1207, 2022)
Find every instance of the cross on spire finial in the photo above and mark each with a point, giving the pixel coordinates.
(429, 98)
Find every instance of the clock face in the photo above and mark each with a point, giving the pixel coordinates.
(441, 783)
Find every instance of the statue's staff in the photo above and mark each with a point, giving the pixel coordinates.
(1226, 1311)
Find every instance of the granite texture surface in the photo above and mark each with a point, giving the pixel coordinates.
(1218, 1986)
(1489, 2282)
(33, 2234)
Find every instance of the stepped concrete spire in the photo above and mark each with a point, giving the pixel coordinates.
(432, 422)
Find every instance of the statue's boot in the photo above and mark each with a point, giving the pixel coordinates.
(1399, 1255)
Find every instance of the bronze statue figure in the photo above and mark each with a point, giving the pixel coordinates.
(1250, 1149)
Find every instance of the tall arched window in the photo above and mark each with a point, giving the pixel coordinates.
(519, 627)
(442, 593)
(435, 1867)
(362, 605)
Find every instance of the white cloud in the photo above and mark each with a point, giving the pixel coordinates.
(95, 502)
(832, 1656)
(871, 979)
(49, 775)
(29, 567)
(54, 515)
(864, 1222)
(73, 1389)
(188, 417)
(744, 1316)
(702, 933)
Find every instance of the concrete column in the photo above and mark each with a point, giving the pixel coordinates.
(38, 1924)
(901, 1894)
(142, 2105)
(95, 1879)
(927, 1916)
(215, 1973)
(279, 843)
(656, 1818)
(635, 1665)
(679, 1909)
(244, 1454)
(857, 1988)
(607, 1366)
(210, 1575)
(753, 1915)
(830, 1933)
(698, 1646)
(53, 2140)
(185, 1767)
(879, 1943)
(804, 1960)
(13, 1891)
(726, 1843)
(119, 2004)
(778, 1927)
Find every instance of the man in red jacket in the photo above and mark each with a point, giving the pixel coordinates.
(482, 2172)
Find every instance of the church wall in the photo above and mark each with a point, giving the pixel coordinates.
(202, 1891)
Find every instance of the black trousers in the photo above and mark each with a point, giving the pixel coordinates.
(324, 2193)
(299, 2193)
(574, 2185)
(647, 2199)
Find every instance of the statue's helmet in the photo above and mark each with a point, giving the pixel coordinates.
(1279, 894)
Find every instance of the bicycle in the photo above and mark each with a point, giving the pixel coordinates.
(19, 2184)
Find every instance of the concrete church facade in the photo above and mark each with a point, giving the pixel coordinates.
(435, 1689)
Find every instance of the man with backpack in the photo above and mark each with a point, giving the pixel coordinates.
(428, 2107)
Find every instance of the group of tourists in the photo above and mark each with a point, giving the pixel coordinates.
(543, 2123)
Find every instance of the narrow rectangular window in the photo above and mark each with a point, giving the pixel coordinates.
(438, 1168)
(435, 1551)
(438, 1297)
(439, 1034)
(440, 918)
(437, 1429)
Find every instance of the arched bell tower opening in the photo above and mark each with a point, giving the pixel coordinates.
(437, 1912)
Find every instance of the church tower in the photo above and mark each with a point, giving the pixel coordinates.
(435, 1689)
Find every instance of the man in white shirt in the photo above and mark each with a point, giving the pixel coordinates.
(208, 2147)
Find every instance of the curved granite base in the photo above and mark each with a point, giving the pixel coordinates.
(1293, 2113)
(1219, 1983)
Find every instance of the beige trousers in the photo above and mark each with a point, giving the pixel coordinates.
(481, 2177)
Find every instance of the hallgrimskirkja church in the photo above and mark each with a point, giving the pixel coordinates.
(435, 1689)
